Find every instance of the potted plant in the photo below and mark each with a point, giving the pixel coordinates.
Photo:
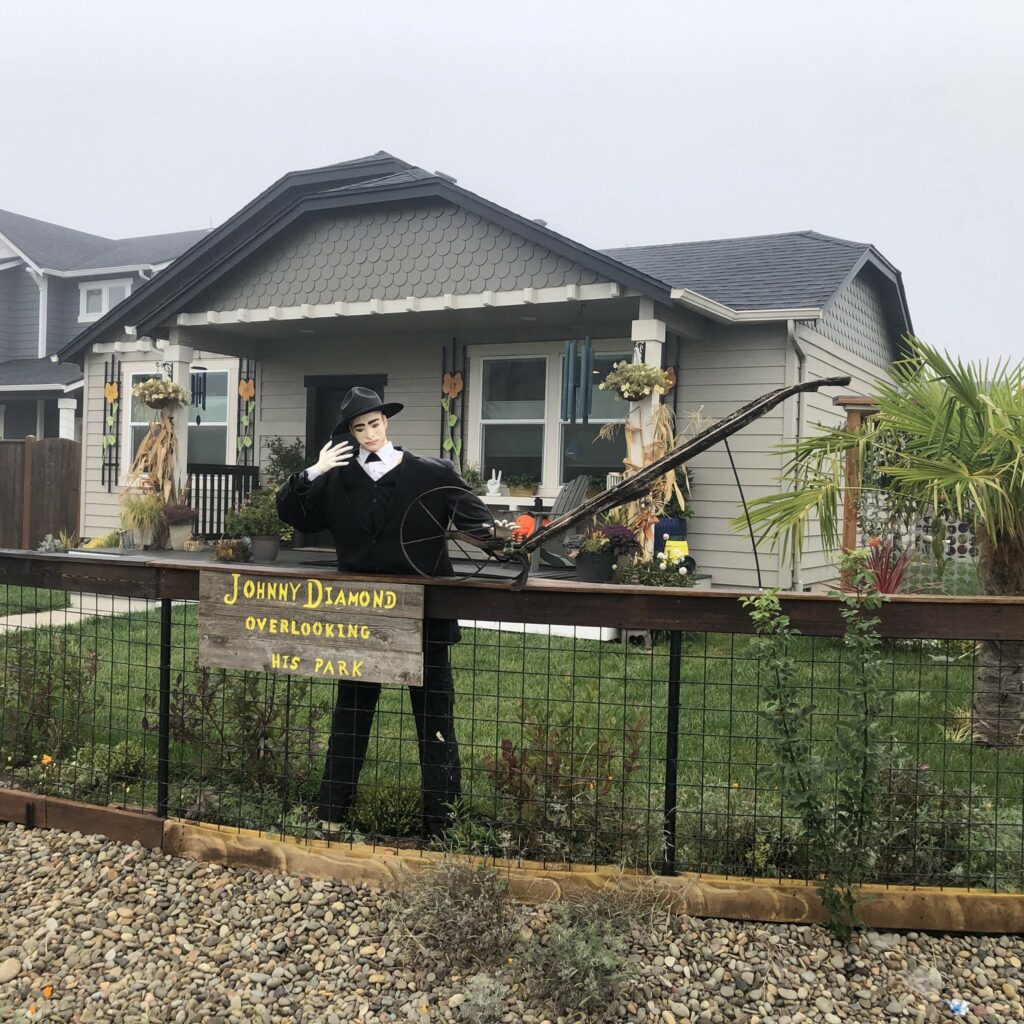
(600, 551)
(635, 381)
(143, 515)
(180, 520)
(257, 519)
(232, 549)
(521, 484)
(666, 569)
(594, 557)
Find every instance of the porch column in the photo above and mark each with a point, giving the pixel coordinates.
(180, 358)
(648, 336)
(66, 413)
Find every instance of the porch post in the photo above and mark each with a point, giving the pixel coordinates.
(648, 336)
(66, 413)
(180, 357)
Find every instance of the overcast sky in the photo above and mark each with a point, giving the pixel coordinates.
(896, 123)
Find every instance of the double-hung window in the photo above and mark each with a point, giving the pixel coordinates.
(512, 416)
(208, 424)
(98, 297)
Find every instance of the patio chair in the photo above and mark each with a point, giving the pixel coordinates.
(570, 496)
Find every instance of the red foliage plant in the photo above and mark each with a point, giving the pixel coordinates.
(888, 565)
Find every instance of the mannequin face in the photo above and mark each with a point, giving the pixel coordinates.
(370, 430)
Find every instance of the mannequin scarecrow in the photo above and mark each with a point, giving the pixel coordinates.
(361, 495)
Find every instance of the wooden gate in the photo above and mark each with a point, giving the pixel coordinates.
(40, 485)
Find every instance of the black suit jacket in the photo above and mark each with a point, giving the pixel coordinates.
(371, 544)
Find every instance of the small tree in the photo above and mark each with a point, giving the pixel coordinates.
(947, 435)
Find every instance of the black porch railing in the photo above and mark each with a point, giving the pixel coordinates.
(572, 749)
(217, 489)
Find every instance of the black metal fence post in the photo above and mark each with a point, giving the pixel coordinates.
(675, 648)
(164, 724)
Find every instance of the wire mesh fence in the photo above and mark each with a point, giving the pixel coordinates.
(550, 746)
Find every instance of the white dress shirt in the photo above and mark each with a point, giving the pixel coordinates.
(388, 457)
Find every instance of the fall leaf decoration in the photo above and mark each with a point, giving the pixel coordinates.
(247, 389)
(110, 391)
(671, 373)
(451, 386)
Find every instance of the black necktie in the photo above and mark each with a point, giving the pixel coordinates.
(373, 457)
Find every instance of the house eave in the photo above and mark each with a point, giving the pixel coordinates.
(727, 315)
(133, 268)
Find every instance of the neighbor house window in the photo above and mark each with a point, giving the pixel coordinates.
(512, 415)
(582, 451)
(208, 426)
(98, 297)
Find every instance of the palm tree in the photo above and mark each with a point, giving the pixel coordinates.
(948, 436)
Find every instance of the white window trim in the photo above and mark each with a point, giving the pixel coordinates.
(214, 364)
(229, 441)
(552, 351)
(105, 286)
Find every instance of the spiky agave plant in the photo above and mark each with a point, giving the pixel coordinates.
(947, 435)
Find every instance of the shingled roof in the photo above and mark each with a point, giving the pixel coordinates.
(790, 270)
(38, 374)
(54, 247)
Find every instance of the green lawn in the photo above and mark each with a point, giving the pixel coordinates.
(248, 748)
(22, 600)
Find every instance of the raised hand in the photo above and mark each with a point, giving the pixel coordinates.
(332, 456)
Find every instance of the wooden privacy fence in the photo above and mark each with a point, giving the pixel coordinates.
(40, 485)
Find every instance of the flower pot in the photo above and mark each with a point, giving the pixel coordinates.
(179, 533)
(265, 549)
(675, 528)
(521, 492)
(142, 536)
(595, 568)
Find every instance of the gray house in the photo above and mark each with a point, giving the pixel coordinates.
(54, 282)
(377, 272)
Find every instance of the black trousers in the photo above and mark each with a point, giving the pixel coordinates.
(433, 706)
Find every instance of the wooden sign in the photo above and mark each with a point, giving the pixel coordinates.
(312, 626)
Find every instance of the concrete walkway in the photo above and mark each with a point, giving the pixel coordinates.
(82, 606)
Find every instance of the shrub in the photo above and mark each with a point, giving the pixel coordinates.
(485, 999)
(583, 965)
(457, 913)
(283, 459)
(566, 789)
(257, 517)
(45, 685)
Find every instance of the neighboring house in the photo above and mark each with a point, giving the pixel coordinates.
(377, 272)
(55, 281)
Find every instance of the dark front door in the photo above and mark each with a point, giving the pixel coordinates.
(323, 400)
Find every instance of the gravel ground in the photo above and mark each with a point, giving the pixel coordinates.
(97, 931)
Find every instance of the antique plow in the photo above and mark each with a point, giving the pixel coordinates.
(482, 538)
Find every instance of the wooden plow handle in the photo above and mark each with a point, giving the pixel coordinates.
(637, 485)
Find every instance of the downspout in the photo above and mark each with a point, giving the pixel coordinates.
(795, 583)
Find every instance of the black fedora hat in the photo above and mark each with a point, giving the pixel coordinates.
(360, 401)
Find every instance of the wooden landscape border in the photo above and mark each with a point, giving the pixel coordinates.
(885, 908)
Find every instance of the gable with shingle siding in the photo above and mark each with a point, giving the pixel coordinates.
(856, 321)
(422, 250)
